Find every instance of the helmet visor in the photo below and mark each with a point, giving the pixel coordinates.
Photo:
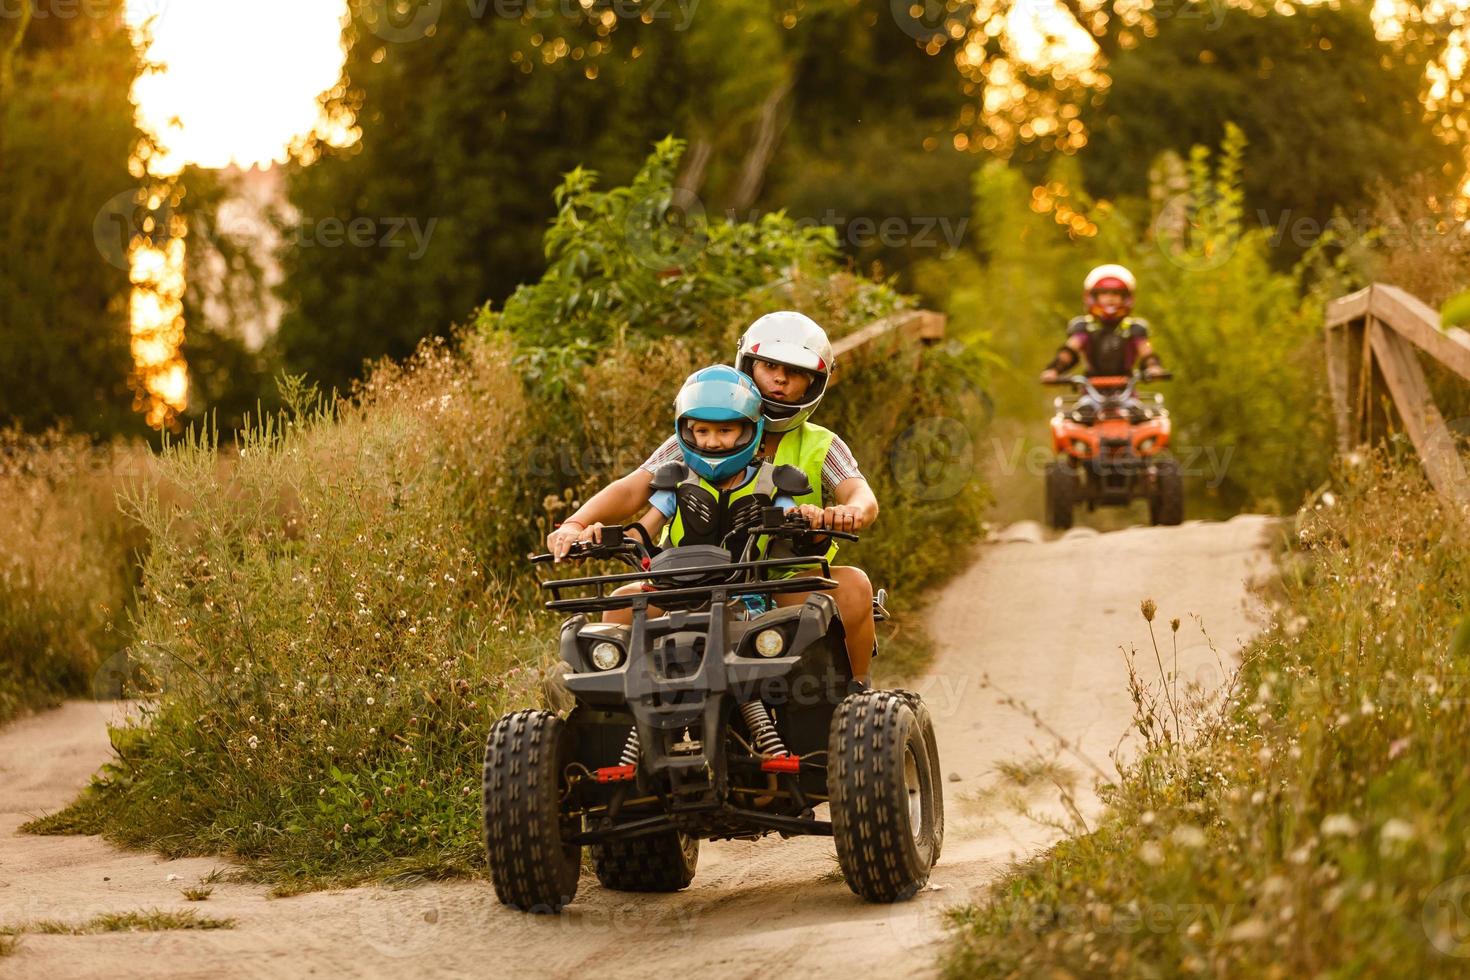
(716, 438)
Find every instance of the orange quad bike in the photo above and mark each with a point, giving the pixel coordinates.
(1111, 450)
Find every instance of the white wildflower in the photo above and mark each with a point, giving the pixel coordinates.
(1339, 825)
(1188, 835)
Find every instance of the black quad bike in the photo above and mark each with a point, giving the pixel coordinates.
(725, 717)
(1112, 448)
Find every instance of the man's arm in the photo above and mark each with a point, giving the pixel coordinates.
(620, 498)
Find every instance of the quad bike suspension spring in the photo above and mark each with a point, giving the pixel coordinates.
(762, 730)
(630, 749)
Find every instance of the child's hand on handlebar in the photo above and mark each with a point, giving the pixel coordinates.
(560, 541)
(1048, 376)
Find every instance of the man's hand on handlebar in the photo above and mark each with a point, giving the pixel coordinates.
(836, 518)
(1049, 376)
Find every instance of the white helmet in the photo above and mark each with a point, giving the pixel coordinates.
(795, 340)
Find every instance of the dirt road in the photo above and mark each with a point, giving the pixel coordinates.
(1044, 621)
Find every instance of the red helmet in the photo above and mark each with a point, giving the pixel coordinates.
(1108, 278)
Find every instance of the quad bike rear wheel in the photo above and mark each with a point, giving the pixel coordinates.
(1061, 495)
(1166, 506)
(532, 867)
(881, 786)
(653, 863)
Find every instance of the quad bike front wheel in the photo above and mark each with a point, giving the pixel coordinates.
(653, 863)
(881, 786)
(1166, 506)
(533, 869)
(1061, 495)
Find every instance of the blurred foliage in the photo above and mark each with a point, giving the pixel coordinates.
(1208, 65)
(68, 566)
(474, 126)
(1247, 399)
(1309, 817)
(66, 133)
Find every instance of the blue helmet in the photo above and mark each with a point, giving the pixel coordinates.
(718, 394)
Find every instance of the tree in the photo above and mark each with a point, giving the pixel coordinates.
(472, 126)
(1326, 112)
(66, 135)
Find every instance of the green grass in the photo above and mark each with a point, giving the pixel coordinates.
(146, 920)
(1312, 822)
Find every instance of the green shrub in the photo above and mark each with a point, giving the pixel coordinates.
(1315, 826)
(320, 650)
(68, 562)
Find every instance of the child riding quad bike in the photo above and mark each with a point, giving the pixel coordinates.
(1111, 451)
(702, 710)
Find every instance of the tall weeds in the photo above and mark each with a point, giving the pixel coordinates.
(1311, 820)
(68, 562)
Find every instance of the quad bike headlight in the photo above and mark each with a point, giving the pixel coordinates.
(1081, 447)
(770, 643)
(606, 656)
(1147, 444)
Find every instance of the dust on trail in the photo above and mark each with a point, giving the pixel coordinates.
(1045, 621)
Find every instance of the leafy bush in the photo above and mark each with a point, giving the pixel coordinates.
(1317, 825)
(67, 565)
(645, 259)
(1247, 350)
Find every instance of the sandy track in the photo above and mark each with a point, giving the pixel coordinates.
(1044, 621)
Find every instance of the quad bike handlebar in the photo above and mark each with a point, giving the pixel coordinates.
(617, 544)
(1109, 380)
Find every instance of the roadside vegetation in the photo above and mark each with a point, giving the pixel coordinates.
(335, 606)
(1251, 426)
(1306, 820)
(68, 564)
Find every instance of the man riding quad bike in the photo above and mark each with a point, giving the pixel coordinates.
(1110, 445)
(702, 709)
(791, 361)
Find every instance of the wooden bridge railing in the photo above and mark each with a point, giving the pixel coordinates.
(1384, 326)
(924, 325)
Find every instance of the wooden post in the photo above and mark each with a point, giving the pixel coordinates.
(1339, 380)
(1422, 420)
